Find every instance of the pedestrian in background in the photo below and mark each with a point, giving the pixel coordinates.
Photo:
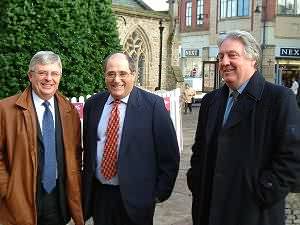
(187, 96)
(295, 86)
(40, 151)
(246, 156)
(131, 155)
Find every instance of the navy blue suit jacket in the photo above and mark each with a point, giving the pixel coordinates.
(148, 160)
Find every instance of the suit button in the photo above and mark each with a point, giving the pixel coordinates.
(268, 185)
(219, 175)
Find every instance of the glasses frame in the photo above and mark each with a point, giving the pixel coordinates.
(122, 74)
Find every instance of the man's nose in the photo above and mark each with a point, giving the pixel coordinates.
(48, 76)
(225, 60)
(117, 78)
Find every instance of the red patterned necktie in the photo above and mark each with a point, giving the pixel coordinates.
(110, 155)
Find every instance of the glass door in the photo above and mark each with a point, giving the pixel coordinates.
(211, 78)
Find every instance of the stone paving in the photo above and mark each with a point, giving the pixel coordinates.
(177, 209)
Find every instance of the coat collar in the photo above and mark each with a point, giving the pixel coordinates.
(255, 87)
(216, 109)
(247, 100)
(25, 100)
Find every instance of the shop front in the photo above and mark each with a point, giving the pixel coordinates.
(191, 62)
(287, 65)
(211, 77)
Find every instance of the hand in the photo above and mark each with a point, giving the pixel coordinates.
(157, 200)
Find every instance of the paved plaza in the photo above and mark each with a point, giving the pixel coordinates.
(177, 210)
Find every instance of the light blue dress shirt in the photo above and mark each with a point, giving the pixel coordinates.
(230, 101)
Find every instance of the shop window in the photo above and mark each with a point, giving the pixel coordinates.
(200, 14)
(233, 8)
(288, 7)
(188, 14)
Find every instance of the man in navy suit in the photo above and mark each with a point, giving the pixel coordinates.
(146, 148)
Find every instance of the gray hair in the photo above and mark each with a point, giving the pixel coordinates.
(44, 58)
(131, 63)
(252, 48)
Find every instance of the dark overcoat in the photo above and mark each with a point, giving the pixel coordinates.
(257, 156)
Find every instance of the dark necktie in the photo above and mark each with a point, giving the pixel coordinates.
(231, 101)
(110, 154)
(50, 164)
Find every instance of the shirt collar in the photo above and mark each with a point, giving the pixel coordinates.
(111, 99)
(240, 89)
(38, 101)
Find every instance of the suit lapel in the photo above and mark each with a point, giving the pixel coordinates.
(246, 101)
(95, 114)
(131, 115)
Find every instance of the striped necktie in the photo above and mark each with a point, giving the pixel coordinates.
(110, 154)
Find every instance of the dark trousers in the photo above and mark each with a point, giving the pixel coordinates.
(186, 106)
(108, 207)
(49, 210)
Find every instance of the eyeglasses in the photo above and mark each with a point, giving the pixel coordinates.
(43, 74)
(112, 75)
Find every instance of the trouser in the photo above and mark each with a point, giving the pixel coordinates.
(49, 213)
(187, 106)
(108, 207)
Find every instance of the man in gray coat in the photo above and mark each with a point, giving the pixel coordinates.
(246, 155)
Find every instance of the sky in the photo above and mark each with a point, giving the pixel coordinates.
(159, 5)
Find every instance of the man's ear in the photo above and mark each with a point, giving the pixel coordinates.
(134, 74)
(29, 74)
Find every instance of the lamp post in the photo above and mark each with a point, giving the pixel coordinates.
(161, 29)
(263, 18)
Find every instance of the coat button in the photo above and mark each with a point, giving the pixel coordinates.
(268, 185)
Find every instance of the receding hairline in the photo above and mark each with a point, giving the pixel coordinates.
(119, 55)
(116, 55)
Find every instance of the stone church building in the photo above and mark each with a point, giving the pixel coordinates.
(140, 34)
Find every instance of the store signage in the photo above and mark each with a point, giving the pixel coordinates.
(292, 52)
(192, 52)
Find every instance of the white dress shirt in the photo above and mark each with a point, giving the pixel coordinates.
(40, 109)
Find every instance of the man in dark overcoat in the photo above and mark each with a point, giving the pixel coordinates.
(246, 155)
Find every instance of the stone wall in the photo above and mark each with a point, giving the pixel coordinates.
(292, 209)
(139, 34)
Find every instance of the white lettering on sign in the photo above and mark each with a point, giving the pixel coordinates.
(192, 52)
(294, 52)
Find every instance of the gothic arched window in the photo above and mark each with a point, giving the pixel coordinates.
(135, 47)
(141, 69)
